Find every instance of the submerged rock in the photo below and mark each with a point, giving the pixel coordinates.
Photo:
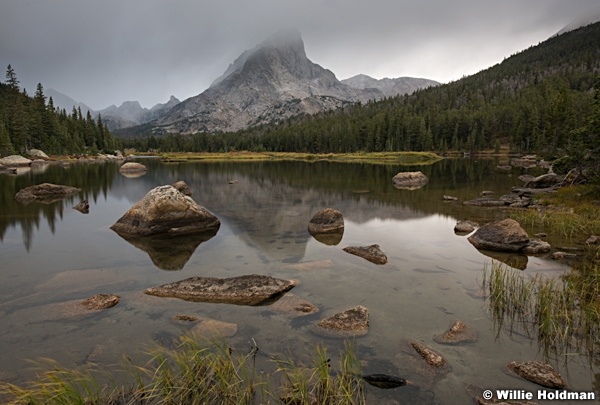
(83, 207)
(485, 202)
(212, 329)
(384, 381)
(45, 192)
(292, 306)
(426, 365)
(243, 290)
(458, 333)
(371, 253)
(537, 372)
(352, 322)
(465, 226)
(409, 180)
(164, 210)
(506, 236)
(101, 301)
(536, 247)
(430, 356)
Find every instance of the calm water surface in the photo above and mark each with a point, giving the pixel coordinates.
(51, 253)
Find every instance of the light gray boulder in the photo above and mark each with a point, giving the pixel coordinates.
(409, 180)
(15, 161)
(165, 210)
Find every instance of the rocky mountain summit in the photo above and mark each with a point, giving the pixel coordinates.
(389, 87)
(273, 81)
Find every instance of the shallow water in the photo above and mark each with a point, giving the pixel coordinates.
(51, 253)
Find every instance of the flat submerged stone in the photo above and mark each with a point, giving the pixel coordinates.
(243, 290)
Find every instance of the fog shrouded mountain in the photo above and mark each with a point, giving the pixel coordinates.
(271, 82)
(389, 87)
(131, 113)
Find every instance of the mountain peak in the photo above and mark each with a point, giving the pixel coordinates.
(287, 38)
(287, 41)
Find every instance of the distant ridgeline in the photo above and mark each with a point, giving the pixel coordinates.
(34, 123)
(533, 101)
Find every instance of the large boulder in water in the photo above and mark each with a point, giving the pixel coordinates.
(327, 220)
(505, 236)
(165, 210)
(327, 226)
(409, 180)
(243, 290)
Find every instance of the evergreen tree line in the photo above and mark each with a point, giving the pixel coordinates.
(533, 101)
(35, 123)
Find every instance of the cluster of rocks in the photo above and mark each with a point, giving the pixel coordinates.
(507, 235)
(327, 226)
(10, 164)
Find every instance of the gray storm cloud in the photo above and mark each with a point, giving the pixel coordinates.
(106, 52)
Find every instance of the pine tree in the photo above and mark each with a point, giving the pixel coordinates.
(11, 78)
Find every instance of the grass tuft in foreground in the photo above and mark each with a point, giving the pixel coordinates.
(195, 373)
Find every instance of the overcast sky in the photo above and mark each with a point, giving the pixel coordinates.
(104, 52)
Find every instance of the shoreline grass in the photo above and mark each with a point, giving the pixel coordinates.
(561, 314)
(572, 212)
(196, 372)
(403, 158)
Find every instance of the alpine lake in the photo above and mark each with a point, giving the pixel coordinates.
(52, 254)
